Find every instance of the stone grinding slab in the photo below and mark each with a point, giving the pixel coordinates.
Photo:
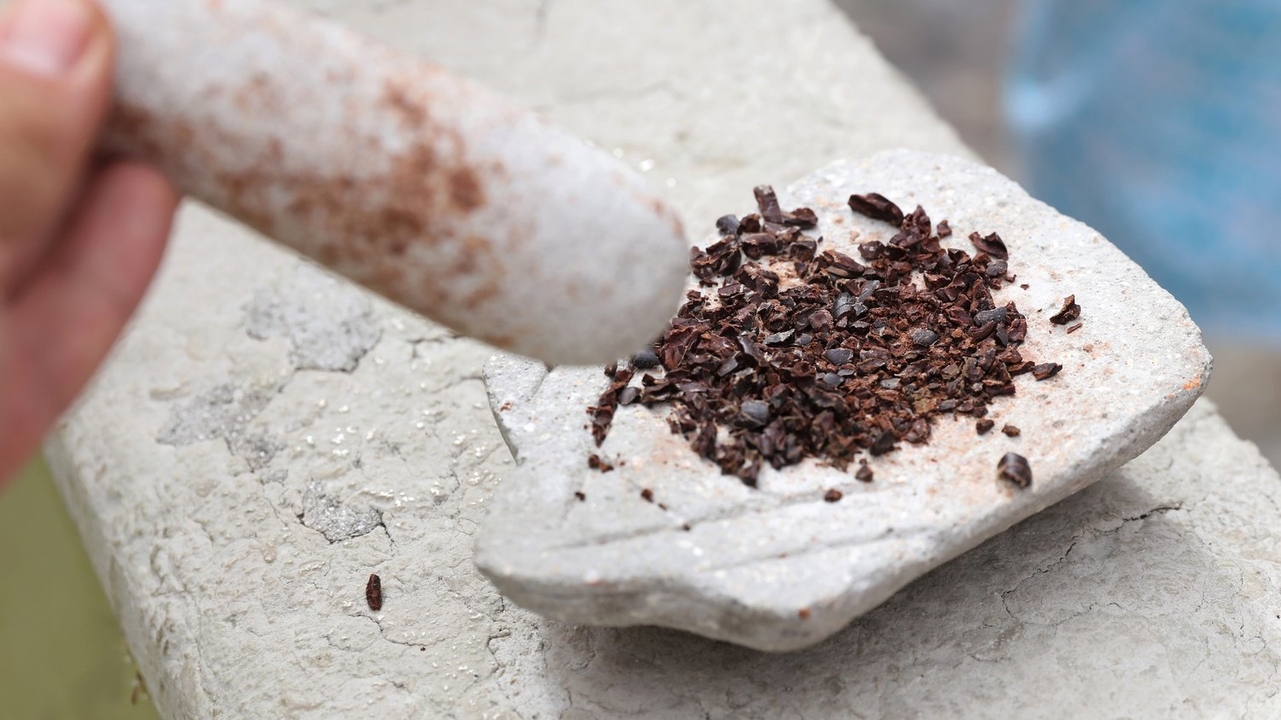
(777, 568)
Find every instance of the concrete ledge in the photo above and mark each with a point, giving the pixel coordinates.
(236, 607)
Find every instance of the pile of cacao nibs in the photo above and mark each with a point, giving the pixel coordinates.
(815, 353)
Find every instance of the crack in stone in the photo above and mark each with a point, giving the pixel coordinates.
(382, 524)
(382, 633)
(1160, 509)
(756, 509)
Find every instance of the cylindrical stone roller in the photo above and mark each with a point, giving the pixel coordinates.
(420, 185)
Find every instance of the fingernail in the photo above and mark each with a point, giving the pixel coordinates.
(45, 37)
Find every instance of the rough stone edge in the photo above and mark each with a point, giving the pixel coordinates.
(172, 699)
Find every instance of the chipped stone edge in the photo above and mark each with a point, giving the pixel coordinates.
(684, 603)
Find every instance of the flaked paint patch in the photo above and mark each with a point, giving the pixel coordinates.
(336, 521)
(257, 449)
(218, 413)
(329, 324)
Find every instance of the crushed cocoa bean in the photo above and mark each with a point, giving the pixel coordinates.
(788, 350)
(1070, 311)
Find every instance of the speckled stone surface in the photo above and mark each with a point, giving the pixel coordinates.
(1109, 604)
(777, 567)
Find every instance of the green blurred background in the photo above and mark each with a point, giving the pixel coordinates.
(61, 653)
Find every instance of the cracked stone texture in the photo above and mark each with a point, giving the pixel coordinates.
(329, 517)
(235, 609)
(777, 567)
(328, 322)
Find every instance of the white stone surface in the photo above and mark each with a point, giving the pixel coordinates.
(777, 567)
(236, 609)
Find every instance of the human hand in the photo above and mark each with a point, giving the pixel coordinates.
(80, 238)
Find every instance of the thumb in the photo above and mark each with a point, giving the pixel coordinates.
(55, 78)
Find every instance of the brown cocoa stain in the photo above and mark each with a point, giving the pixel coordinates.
(664, 213)
(258, 96)
(416, 201)
(360, 212)
(245, 202)
(395, 96)
(389, 278)
(673, 220)
(399, 223)
(327, 254)
(183, 135)
(465, 190)
(476, 258)
(376, 219)
(469, 255)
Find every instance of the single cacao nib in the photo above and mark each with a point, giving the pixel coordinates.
(871, 250)
(839, 356)
(645, 359)
(883, 443)
(801, 218)
(1045, 371)
(877, 207)
(1014, 468)
(727, 224)
(992, 245)
(924, 336)
(995, 315)
(1070, 311)
(767, 202)
(756, 412)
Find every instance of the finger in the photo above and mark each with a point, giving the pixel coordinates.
(55, 65)
(69, 315)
